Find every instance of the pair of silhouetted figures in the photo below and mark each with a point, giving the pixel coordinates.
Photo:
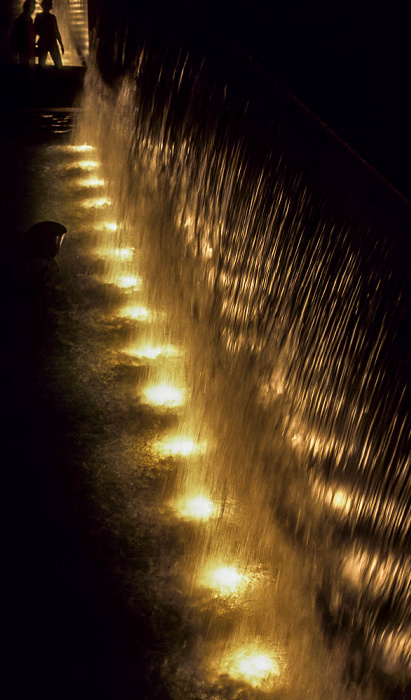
(44, 29)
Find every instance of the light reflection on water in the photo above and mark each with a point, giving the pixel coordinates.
(179, 445)
(153, 352)
(224, 580)
(96, 202)
(267, 303)
(122, 254)
(195, 507)
(80, 165)
(259, 668)
(90, 182)
(138, 313)
(165, 395)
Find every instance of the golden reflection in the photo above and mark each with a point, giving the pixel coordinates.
(71, 148)
(137, 313)
(179, 446)
(224, 580)
(374, 573)
(128, 282)
(82, 165)
(208, 251)
(91, 182)
(258, 668)
(107, 226)
(152, 352)
(334, 496)
(96, 202)
(81, 148)
(196, 507)
(122, 254)
(164, 395)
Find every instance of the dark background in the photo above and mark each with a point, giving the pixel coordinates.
(348, 62)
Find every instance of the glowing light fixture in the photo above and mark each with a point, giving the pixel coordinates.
(152, 352)
(164, 395)
(96, 202)
(208, 251)
(92, 182)
(128, 282)
(138, 313)
(196, 508)
(86, 164)
(339, 499)
(122, 254)
(108, 226)
(257, 668)
(73, 148)
(80, 148)
(224, 580)
(179, 446)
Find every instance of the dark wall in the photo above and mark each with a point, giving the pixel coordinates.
(349, 63)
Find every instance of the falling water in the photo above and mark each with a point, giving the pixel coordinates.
(259, 424)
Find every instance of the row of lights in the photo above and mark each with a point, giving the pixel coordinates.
(252, 663)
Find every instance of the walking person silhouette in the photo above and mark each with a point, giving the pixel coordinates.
(48, 32)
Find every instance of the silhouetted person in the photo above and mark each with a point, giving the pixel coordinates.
(48, 32)
(23, 35)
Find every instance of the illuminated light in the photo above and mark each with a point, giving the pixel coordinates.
(225, 580)
(81, 165)
(164, 395)
(81, 148)
(373, 572)
(207, 251)
(297, 439)
(123, 254)
(96, 202)
(86, 164)
(71, 148)
(258, 669)
(91, 182)
(354, 567)
(196, 508)
(152, 352)
(339, 500)
(128, 282)
(335, 497)
(138, 313)
(178, 446)
(396, 649)
(107, 226)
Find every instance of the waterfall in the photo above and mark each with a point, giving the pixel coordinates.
(278, 268)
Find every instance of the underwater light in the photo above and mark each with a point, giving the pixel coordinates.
(196, 508)
(83, 165)
(72, 148)
(179, 446)
(138, 313)
(334, 496)
(164, 395)
(255, 667)
(96, 202)
(91, 182)
(152, 352)
(123, 254)
(81, 148)
(108, 226)
(128, 282)
(338, 499)
(225, 580)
